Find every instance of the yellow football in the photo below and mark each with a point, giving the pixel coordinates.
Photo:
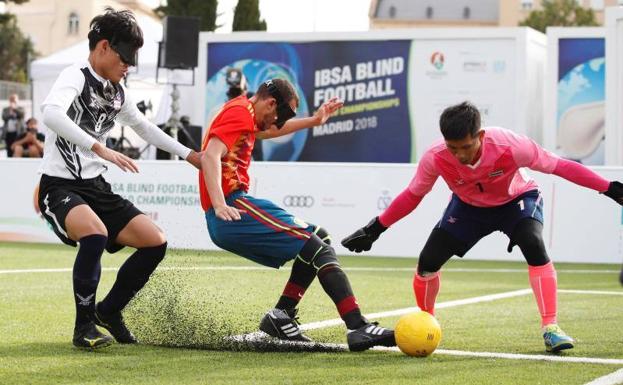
(418, 334)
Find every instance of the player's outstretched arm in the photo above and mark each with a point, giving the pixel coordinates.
(154, 135)
(363, 238)
(326, 110)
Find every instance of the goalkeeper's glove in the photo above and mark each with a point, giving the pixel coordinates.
(615, 191)
(362, 239)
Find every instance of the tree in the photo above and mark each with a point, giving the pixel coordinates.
(559, 13)
(15, 50)
(204, 9)
(247, 16)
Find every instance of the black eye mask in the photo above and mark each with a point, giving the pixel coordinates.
(127, 52)
(284, 111)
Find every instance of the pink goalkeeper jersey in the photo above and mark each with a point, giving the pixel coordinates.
(495, 179)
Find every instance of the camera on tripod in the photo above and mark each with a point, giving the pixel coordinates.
(236, 81)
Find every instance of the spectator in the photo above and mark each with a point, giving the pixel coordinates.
(29, 143)
(13, 117)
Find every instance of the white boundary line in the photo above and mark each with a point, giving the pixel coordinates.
(595, 292)
(466, 301)
(609, 379)
(517, 356)
(261, 268)
(407, 310)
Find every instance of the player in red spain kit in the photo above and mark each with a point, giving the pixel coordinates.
(484, 168)
(259, 230)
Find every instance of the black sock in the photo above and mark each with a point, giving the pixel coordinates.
(301, 276)
(86, 275)
(335, 283)
(131, 278)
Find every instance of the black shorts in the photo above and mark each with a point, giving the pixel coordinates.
(470, 223)
(57, 196)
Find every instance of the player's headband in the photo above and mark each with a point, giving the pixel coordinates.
(284, 111)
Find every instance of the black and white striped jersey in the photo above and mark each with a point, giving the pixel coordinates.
(95, 104)
(91, 104)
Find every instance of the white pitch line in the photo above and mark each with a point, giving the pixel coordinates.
(261, 268)
(466, 301)
(609, 379)
(595, 292)
(447, 304)
(517, 356)
(407, 310)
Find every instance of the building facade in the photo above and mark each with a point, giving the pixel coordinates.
(464, 13)
(56, 24)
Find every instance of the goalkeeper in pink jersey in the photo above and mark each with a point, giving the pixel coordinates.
(490, 192)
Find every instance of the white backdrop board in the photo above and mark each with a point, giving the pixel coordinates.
(580, 225)
(614, 85)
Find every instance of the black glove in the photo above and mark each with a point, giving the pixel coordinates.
(362, 239)
(615, 191)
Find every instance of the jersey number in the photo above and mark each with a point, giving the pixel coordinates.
(100, 121)
(521, 205)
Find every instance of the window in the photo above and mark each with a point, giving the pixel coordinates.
(467, 12)
(527, 4)
(429, 12)
(74, 24)
(392, 12)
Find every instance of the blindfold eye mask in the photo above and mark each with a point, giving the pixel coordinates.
(284, 111)
(127, 52)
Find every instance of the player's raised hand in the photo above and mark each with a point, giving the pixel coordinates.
(123, 162)
(327, 109)
(362, 239)
(228, 213)
(615, 191)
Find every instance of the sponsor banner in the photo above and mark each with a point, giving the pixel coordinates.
(580, 111)
(447, 72)
(370, 76)
(341, 197)
(394, 91)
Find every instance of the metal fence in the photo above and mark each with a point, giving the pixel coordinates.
(7, 88)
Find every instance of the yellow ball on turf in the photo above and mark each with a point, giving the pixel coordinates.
(418, 334)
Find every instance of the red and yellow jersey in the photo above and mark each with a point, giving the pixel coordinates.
(234, 125)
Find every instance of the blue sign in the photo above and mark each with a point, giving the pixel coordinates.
(370, 76)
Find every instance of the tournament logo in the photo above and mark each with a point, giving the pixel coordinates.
(304, 201)
(437, 60)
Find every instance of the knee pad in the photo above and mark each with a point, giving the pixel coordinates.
(323, 234)
(528, 235)
(439, 248)
(317, 253)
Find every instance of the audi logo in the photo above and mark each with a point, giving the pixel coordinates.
(298, 201)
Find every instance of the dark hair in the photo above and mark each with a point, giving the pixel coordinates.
(116, 27)
(284, 87)
(459, 121)
(33, 120)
